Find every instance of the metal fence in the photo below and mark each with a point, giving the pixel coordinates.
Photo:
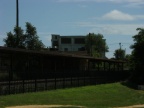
(34, 85)
(29, 71)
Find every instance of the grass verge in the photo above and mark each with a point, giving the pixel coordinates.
(99, 96)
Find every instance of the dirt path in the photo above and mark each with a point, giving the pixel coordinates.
(67, 106)
(47, 106)
(133, 106)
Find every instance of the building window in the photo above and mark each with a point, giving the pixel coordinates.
(65, 40)
(79, 40)
(81, 49)
(65, 49)
(55, 37)
(55, 43)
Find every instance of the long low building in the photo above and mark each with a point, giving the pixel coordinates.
(27, 70)
(46, 61)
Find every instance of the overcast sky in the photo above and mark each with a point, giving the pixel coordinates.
(117, 20)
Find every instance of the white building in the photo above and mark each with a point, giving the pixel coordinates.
(68, 43)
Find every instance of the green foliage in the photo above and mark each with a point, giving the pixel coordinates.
(27, 40)
(100, 96)
(119, 54)
(138, 49)
(138, 56)
(129, 62)
(95, 45)
(16, 39)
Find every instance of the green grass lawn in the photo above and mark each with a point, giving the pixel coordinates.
(99, 96)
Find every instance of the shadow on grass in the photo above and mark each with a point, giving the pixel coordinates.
(130, 85)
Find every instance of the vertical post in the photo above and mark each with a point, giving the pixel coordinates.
(105, 48)
(89, 72)
(28, 73)
(98, 66)
(43, 71)
(122, 66)
(91, 45)
(114, 66)
(109, 66)
(17, 13)
(55, 71)
(84, 76)
(35, 78)
(23, 77)
(17, 22)
(71, 71)
(118, 68)
(79, 72)
(10, 75)
(35, 81)
(64, 71)
(120, 45)
(104, 66)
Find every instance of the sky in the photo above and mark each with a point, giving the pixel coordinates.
(116, 20)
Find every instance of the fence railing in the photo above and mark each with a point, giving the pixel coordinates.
(23, 86)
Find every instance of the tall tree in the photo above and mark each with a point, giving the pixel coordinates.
(138, 56)
(119, 54)
(96, 45)
(32, 39)
(27, 40)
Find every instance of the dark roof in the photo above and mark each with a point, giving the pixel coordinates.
(9, 50)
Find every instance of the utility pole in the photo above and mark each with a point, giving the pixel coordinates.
(120, 45)
(17, 13)
(17, 22)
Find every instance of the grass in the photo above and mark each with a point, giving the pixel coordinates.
(100, 96)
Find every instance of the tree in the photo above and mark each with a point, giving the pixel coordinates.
(138, 56)
(119, 54)
(16, 39)
(129, 61)
(95, 45)
(32, 40)
(27, 40)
